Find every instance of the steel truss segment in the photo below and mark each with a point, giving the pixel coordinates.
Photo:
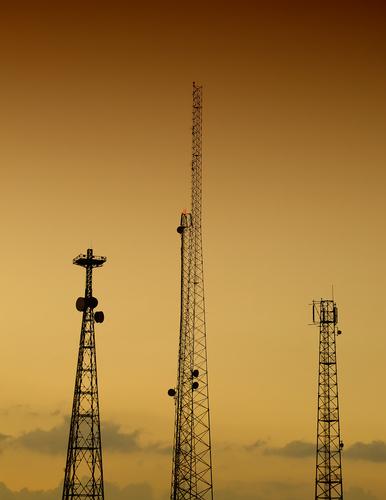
(192, 462)
(83, 476)
(328, 482)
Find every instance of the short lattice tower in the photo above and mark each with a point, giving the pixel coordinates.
(328, 484)
(83, 477)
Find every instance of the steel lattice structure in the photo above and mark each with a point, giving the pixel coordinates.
(328, 484)
(83, 477)
(192, 461)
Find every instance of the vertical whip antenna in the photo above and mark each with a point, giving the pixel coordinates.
(328, 483)
(192, 460)
(83, 477)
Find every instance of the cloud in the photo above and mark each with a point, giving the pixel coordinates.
(359, 494)
(159, 448)
(26, 494)
(280, 490)
(235, 490)
(115, 440)
(19, 409)
(264, 490)
(371, 452)
(54, 441)
(293, 449)
(256, 445)
(139, 491)
(4, 438)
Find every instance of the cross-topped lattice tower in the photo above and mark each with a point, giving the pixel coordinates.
(328, 484)
(192, 462)
(83, 477)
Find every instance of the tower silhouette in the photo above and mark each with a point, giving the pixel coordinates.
(192, 462)
(328, 484)
(83, 478)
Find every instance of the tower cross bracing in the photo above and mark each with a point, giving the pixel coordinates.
(192, 455)
(83, 478)
(328, 482)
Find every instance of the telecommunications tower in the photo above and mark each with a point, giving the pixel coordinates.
(83, 478)
(328, 484)
(192, 461)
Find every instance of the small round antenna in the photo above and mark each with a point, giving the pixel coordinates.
(80, 304)
(92, 302)
(99, 317)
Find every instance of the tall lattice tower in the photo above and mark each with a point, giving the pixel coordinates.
(192, 461)
(83, 477)
(328, 484)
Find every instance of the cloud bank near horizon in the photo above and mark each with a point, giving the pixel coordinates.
(233, 491)
(54, 441)
(374, 451)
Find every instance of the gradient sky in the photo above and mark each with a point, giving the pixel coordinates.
(95, 150)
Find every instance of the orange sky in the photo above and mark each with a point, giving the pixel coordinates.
(95, 150)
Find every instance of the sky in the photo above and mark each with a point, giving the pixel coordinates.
(95, 131)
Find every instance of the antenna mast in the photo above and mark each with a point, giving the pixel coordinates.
(328, 484)
(83, 478)
(192, 461)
